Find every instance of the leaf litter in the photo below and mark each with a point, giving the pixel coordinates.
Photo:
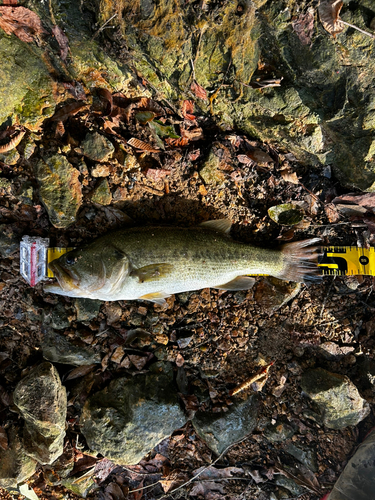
(225, 331)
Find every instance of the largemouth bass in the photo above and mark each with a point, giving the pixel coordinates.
(152, 263)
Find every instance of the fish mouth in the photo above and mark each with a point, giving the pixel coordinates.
(64, 277)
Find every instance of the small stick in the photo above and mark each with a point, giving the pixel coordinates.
(356, 28)
(261, 373)
(104, 25)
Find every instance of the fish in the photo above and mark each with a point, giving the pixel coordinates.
(153, 263)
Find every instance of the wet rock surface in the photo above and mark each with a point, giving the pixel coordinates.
(336, 396)
(15, 465)
(222, 430)
(57, 349)
(59, 189)
(142, 411)
(41, 400)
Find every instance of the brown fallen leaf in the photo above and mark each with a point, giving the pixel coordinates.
(157, 174)
(329, 14)
(80, 371)
(138, 361)
(329, 11)
(177, 143)
(106, 97)
(22, 22)
(245, 160)
(62, 40)
(304, 26)
(64, 112)
(192, 134)
(364, 200)
(142, 146)
(288, 175)
(198, 90)
(15, 135)
(187, 110)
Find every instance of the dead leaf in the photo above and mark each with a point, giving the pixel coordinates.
(64, 112)
(142, 146)
(62, 40)
(245, 160)
(22, 22)
(235, 140)
(147, 104)
(260, 156)
(187, 110)
(15, 135)
(211, 473)
(76, 89)
(118, 354)
(138, 361)
(203, 488)
(177, 143)
(198, 90)
(304, 26)
(103, 469)
(157, 174)
(289, 176)
(192, 134)
(114, 492)
(179, 360)
(364, 200)
(80, 371)
(60, 129)
(106, 97)
(331, 213)
(329, 14)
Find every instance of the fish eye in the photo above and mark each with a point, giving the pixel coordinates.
(70, 260)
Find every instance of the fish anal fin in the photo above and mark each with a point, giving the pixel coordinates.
(156, 297)
(153, 272)
(220, 225)
(239, 283)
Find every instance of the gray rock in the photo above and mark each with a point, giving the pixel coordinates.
(9, 243)
(336, 396)
(290, 485)
(304, 454)
(278, 432)
(87, 309)
(42, 401)
(97, 147)
(57, 349)
(60, 189)
(15, 465)
(131, 416)
(220, 430)
(56, 317)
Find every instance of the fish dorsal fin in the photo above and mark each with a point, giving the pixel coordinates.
(239, 283)
(220, 225)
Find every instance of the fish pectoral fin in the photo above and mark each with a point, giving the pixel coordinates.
(220, 225)
(239, 283)
(157, 298)
(153, 272)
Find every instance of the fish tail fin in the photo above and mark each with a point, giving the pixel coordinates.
(301, 259)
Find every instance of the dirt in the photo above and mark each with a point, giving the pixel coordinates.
(216, 340)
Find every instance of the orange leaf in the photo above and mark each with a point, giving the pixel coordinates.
(198, 90)
(143, 146)
(62, 40)
(177, 143)
(187, 110)
(22, 22)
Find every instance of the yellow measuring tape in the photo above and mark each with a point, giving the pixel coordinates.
(347, 261)
(335, 261)
(54, 253)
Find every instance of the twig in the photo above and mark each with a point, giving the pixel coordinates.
(51, 12)
(200, 472)
(356, 28)
(103, 26)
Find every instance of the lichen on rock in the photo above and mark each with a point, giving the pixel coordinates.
(59, 189)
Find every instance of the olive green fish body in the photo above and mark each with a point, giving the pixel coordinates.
(154, 262)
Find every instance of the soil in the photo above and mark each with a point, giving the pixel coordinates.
(216, 340)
